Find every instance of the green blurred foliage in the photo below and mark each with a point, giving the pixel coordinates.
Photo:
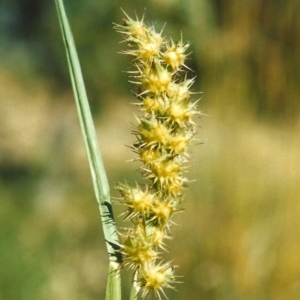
(249, 49)
(239, 236)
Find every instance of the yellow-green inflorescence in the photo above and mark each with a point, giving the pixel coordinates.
(164, 132)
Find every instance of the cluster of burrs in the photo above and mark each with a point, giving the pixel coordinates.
(164, 132)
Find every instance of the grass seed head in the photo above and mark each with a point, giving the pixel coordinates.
(164, 132)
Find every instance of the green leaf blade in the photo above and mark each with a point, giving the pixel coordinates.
(100, 182)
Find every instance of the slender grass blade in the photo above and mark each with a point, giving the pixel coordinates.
(99, 178)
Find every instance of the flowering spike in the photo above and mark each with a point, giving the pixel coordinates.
(164, 132)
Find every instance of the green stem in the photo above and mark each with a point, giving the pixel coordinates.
(134, 287)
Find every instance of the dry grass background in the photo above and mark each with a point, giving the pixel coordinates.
(239, 236)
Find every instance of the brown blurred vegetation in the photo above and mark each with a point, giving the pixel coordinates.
(239, 237)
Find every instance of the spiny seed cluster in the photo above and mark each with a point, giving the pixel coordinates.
(163, 134)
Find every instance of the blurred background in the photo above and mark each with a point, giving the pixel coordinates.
(239, 237)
